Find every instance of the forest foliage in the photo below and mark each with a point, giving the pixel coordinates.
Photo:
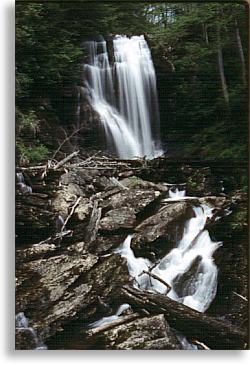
(206, 44)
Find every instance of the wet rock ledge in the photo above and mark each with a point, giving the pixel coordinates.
(69, 221)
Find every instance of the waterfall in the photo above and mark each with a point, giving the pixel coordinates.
(124, 95)
(22, 187)
(189, 267)
(60, 224)
(22, 323)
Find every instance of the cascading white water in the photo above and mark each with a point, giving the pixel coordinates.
(23, 323)
(124, 95)
(177, 194)
(109, 319)
(189, 268)
(22, 187)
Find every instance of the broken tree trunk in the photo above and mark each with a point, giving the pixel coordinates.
(66, 159)
(216, 334)
(221, 64)
(93, 226)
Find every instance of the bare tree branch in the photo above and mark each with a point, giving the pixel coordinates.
(71, 212)
(157, 278)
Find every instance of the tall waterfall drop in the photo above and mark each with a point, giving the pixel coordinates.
(124, 95)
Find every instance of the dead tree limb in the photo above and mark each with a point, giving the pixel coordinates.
(65, 140)
(66, 159)
(216, 334)
(71, 212)
(107, 326)
(55, 237)
(93, 226)
(157, 278)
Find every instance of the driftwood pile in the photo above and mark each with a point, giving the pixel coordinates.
(91, 177)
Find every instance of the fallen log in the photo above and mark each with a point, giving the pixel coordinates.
(216, 334)
(65, 160)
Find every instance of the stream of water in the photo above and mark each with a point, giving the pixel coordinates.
(22, 323)
(188, 268)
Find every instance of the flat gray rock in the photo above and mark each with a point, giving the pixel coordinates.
(147, 333)
(135, 198)
(118, 218)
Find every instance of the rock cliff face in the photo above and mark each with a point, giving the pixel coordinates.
(68, 225)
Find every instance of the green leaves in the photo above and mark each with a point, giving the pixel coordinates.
(49, 53)
(186, 34)
(49, 37)
(43, 47)
(28, 146)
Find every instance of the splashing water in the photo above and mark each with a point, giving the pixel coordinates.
(109, 319)
(22, 187)
(22, 322)
(189, 268)
(135, 264)
(124, 95)
(177, 194)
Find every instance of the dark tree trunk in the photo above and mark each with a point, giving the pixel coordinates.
(221, 66)
(241, 53)
(93, 226)
(216, 334)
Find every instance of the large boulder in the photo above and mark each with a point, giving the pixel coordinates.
(134, 182)
(157, 234)
(58, 288)
(108, 277)
(135, 198)
(62, 202)
(83, 209)
(65, 199)
(49, 289)
(105, 244)
(150, 333)
(118, 218)
(102, 183)
(80, 177)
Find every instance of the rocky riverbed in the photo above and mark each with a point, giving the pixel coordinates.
(70, 219)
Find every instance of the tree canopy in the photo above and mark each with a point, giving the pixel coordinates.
(206, 44)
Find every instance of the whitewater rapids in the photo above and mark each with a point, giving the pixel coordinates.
(188, 268)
